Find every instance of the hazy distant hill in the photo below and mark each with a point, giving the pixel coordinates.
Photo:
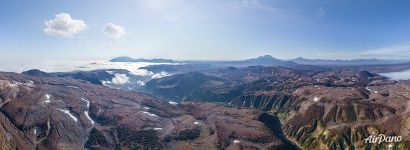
(301, 60)
(266, 60)
(188, 66)
(129, 59)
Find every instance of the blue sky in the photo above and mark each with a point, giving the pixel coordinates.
(204, 29)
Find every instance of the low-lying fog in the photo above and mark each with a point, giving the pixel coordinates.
(74, 65)
(402, 75)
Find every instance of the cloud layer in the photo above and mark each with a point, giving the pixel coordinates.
(113, 30)
(64, 26)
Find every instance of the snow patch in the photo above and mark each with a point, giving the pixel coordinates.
(236, 141)
(105, 83)
(368, 89)
(86, 112)
(197, 123)
(48, 125)
(316, 99)
(88, 102)
(147, 108)
(88, 116)
(68, 113)
(35, 132)
(156, 129)
(150, 114)
(173, 103)
(110, 72)
(48, 100)
(376, 92)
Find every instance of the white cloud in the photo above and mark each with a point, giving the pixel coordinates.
(113, 30)
(64, 26)
(160, 75)
(140, 82)
(120, 79)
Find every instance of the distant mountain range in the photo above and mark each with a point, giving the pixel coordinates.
(268, 60)
(129, 59)
(265, 60)
(189, 66)
(301, 60)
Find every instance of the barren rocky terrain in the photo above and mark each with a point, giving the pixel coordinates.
(320, 108)
(256, 107)
(60, 113)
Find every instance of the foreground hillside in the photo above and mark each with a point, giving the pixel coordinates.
(61, 113)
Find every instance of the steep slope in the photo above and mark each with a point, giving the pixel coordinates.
(320, 117)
